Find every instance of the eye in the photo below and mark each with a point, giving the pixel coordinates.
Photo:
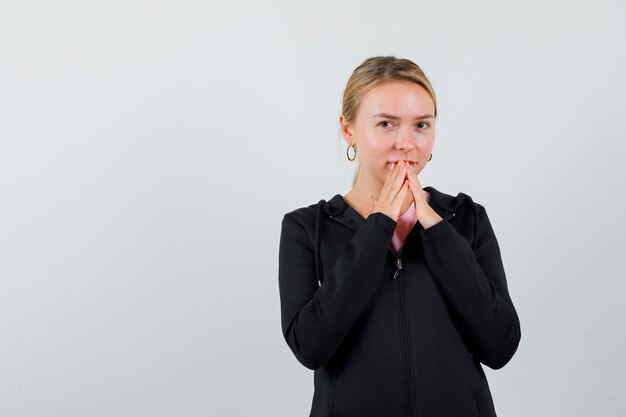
(385, 123)
(423, 123)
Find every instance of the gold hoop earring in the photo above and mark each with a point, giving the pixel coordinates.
(348, 152)
(431, 157)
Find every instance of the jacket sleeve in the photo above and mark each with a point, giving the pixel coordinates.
(315, 318)
(473, 283)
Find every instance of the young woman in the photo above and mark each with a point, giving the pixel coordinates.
(395, 295)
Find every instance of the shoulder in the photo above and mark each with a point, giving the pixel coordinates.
(307, 216)
(460, 211)
(332, 206)
(461, 203)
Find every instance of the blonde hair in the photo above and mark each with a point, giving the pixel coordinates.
(375, 71)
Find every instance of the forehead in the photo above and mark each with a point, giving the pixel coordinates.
(402, 98)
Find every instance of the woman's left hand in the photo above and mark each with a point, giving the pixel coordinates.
(425, 213)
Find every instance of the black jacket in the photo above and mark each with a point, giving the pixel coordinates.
(391, 336)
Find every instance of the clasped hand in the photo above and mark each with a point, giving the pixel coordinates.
(399, 182)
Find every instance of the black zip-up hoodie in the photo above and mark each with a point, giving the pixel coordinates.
(395, 336)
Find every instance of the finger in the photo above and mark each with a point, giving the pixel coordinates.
(384, 192)
(393, 168)
(413, 183)
(415, 180)
(398, 181)
(404, 189)
(416, 189)
(411, 175)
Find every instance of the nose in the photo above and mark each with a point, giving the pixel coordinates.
(405, 140)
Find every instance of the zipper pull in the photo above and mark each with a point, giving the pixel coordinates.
(399, 265)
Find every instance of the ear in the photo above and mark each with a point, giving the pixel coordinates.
(346, 130)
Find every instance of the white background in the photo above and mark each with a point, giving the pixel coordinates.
(149, 149)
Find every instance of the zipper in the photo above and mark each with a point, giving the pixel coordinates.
(406, 342)
(399, 266)
(404, 329)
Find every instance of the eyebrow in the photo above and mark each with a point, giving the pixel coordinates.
(391, 116)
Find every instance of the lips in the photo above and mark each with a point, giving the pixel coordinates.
(406, 160)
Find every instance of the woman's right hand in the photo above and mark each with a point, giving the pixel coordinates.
(394, 191)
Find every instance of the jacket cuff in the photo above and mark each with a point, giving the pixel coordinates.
(383, 220)
(435, 231)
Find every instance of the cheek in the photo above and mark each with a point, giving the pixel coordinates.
(431, 141)
(380, 148)
(378, 158)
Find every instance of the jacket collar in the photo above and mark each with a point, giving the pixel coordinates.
(444, 204)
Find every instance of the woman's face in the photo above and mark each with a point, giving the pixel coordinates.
(394, 122)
